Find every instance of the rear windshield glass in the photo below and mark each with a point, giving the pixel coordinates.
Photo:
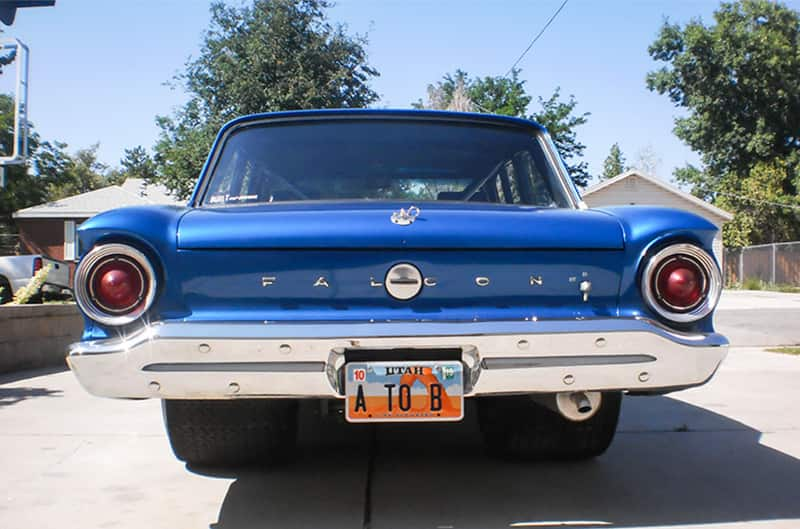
(383, 160)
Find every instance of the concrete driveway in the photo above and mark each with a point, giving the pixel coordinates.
(754, 317)
(725, 454)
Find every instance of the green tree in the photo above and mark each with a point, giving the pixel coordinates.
(560, 119)
(764, 212)
(8, 58)
(50, 172)
(501, 95)
(614, 164)
(267, 56)
(507, 96)
(497, 95)
(739, 82)
(22, 189)
(136, 163)
(82, 172)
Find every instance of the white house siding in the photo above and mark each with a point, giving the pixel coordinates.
(638, 191)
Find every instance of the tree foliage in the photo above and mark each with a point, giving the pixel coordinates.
(50, 172)
(8, 58)
(21, 189)
(135, 163)
(614, 164)
(79, 173)
(507, 95)
(267, 56)
(739, 81)
(560, 119)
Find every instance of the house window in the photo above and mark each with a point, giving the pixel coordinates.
(70, 240)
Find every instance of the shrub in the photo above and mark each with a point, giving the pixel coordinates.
(28, 293)
(753, 283)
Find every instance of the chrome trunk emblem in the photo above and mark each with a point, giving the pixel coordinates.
(405, 217)
(482, 281)
(403, 281)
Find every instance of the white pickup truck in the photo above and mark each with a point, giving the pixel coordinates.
(17, 270)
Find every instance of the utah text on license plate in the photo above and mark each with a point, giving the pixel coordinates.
(404, 391)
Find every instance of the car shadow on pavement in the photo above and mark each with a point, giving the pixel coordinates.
(13, 376)
(9, 396)
(671, 463)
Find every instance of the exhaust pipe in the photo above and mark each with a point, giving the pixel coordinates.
(572, 405)
(582, 402)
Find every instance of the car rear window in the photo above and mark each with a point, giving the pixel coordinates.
(382, 159)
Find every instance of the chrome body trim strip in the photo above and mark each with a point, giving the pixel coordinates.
(564, 361)
(236, 367)
(204, 360)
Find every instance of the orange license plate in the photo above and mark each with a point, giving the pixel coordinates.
(404, 391)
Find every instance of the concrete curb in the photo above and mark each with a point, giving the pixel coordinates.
(37, 335)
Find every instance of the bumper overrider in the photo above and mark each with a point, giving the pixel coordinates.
(185, 360)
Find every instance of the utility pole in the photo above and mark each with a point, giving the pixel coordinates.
(18, 52)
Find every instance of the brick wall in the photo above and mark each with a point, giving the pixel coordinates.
(45, 237)
(42, 236)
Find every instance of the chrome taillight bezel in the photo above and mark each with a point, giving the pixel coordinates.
(712, 287)
(84, 278)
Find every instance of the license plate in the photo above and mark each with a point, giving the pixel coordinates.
(404, 391)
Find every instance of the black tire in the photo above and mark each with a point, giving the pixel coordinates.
(6, 294)
(519, 428)
(231, 432)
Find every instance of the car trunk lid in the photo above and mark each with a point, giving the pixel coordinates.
(369, 225)
(308, 263)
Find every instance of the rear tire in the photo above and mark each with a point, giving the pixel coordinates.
(231, 432)
(518, 428)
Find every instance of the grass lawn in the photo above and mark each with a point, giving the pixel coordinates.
(753, 283)
(785, 350)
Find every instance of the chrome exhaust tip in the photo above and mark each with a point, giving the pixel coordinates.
(582, 402)
(572, 405)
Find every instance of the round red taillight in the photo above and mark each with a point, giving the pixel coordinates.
(680, 283)
(118, 285)
(115, 284)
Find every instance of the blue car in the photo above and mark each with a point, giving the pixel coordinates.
(393, 265)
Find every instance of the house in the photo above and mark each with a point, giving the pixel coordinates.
(633, 187)
(49, 229)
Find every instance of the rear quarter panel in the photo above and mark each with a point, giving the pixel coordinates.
(153, 230)
(646, 230)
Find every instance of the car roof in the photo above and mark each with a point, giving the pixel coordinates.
(411, 114)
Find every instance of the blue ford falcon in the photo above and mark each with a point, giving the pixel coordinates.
(392, 264)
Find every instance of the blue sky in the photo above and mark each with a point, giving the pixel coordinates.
(98, 68)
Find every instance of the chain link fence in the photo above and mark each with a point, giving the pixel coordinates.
(777, 263)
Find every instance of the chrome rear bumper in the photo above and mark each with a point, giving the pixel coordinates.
(231, 360)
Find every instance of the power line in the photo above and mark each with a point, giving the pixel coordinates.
(522, 56)
(757, 201)
(541, 32)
